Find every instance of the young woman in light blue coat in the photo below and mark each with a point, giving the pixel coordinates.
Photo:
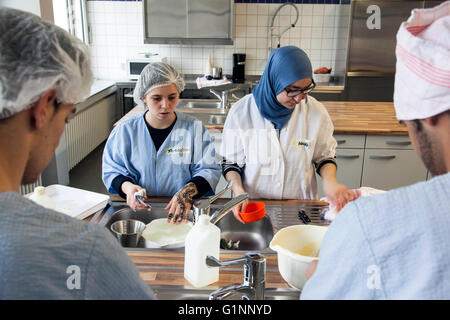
(167, 153)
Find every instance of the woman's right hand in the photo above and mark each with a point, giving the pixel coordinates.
(238, 190)
(130, 189)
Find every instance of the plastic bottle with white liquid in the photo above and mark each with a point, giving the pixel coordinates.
(40, 197)
(208, 67)
(202, 240)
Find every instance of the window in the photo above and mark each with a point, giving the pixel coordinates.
(71, 15)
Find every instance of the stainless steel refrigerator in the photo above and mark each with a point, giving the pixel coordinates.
(371, 49)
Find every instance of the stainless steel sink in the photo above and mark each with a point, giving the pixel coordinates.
(208, 118)
(199, 103)
(202, 103)
(208, 112)
(167, 292)
(251, 236)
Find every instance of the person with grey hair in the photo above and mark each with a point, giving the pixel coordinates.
(160, 152)
(44, 72)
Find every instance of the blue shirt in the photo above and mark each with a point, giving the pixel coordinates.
(389, 246)
(47, 255)
(187, 152)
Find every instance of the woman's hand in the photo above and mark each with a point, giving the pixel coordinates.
(238, 190)
(130, 189)
(180, 205)
(338, 195)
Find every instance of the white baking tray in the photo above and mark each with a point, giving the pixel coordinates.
(74, 202)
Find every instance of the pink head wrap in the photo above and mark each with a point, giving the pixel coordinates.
(422, 79)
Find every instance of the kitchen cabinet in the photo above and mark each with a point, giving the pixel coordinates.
(350, 166)
(388, 142)
(392, 168)
(349, 159)
(391, 162)
(125, 99)
(378, 161)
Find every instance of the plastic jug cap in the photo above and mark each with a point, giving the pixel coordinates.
(203, 219)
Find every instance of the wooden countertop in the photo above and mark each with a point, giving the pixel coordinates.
(164, 267)
(348, 117)
(364, 118)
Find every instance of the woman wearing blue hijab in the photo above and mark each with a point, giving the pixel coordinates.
(275, 138)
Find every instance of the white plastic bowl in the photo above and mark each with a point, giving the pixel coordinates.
(322, 77)
(294, 245)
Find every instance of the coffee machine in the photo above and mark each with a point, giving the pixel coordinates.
(238, 67)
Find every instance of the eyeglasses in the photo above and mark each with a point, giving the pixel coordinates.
(294, 93)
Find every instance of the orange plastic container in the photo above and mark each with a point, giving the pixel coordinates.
(254, 211)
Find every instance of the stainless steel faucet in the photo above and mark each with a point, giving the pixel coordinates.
(227, 207)
(224, 97)
(204, 206)
(254, 277)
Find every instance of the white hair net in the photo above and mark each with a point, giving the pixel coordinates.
(36, 56)
(154, 75)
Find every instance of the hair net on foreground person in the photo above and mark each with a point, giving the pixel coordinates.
(397, 245)
(160, 151)
(44, 71)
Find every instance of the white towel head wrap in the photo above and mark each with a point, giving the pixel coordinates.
(422, 79)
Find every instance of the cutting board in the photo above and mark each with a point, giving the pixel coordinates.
(74, 202)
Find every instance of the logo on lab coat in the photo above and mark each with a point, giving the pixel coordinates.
(177, 150)
(301, 143)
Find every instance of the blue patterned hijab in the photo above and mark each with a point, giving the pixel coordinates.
(285, 66)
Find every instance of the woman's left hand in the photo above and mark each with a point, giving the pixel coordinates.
(338, 195)
(180, 205)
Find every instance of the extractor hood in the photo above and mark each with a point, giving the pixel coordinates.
(188, 21)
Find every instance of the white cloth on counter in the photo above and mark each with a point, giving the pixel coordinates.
(203, 82)
(330, 213)
(279, 164)
(390, 246)
(422, 77)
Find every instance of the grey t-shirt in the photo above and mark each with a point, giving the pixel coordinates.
(47, 255)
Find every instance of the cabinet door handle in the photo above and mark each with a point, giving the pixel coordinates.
(381, 157)
(344, 156)
(398, 143)
(341, 141)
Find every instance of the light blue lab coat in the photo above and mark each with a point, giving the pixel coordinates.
(394, 245)
(187, 152)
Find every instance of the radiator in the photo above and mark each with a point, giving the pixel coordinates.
(29, 188)
(88, 129)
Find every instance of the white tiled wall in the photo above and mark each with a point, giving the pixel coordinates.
(117, 34)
